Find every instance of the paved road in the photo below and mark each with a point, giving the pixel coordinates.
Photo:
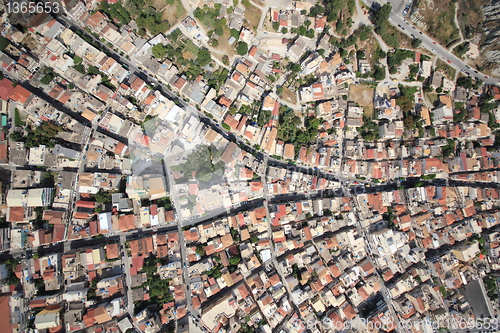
(430, 44)
(184, 258)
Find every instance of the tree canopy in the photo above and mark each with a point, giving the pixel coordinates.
(159, 51)
(242, 48)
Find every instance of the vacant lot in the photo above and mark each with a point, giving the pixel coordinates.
(433, 98)
(289, 95)
(224, 47)
(252, 16)
(173, 13)
(448, 70)
(363, 95)
(439, 16)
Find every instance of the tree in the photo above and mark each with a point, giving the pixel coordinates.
(378, 73)
(316, 10)
(159, 51)
(102, 197)
(235, 33)
(225, 60)
(242, 48)
(465, 82)
(276, 26)
(416, 43)
(382, 15)
(4, 42)
(204, 57)
(200, 250)
(77, 60)
(235, 260)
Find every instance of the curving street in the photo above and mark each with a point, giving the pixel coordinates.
(433, 46)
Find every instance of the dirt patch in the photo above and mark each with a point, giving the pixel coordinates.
(252, 16)
(188, 55)
(363, 96)
(159, 4)
(439, 17)
(30, 42)
(224, 47)
(173, 13)
(289, 96)
(369, 46)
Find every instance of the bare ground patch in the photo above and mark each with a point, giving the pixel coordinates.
(252, 16)
(363, 96)
(173, 13)
(224, 47)
(289, 95)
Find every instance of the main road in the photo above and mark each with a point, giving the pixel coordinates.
(433, 46)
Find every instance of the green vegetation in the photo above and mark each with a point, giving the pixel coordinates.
(380, 18)
(159, 292)
(491, 286)
(49, 75)
(204, 162)
(396, 58)
(449, 148)
(42, 135)
(242, 48)
(17, 118)
(289, 132)
(11, 265)
(461, 50)
(159, 51)
(465, 82)
(102, 197)
(143, 12)
(264, 117)
(416, 42)
(164, 202)
(4, 42)
(186, 55)
(215, 271)
(77, 60)
(200, 250)
(332, 8)
(370, 130)
(378, 73)
(461, 115)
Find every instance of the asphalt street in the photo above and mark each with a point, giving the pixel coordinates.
(396, 19)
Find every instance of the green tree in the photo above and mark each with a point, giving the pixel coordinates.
(159, 51)
(204, 57)
(235, 260)
(415, 43)
(242, 48)
(4, 42)
(200, 250)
